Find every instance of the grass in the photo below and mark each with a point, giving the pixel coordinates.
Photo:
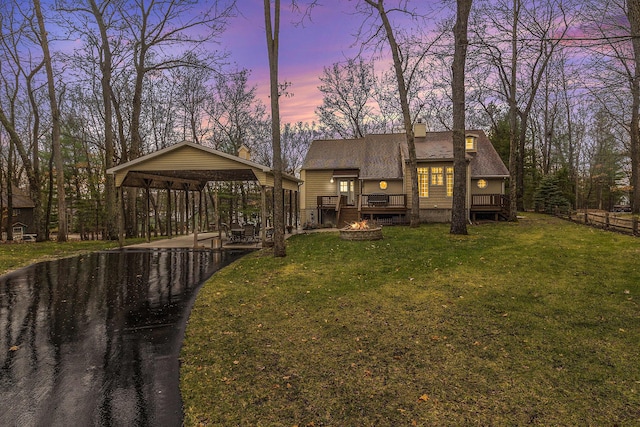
(17, 255)
(535, 322)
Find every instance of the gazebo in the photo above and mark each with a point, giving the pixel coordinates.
(188, 167)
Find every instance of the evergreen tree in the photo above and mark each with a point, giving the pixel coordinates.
(548, 197)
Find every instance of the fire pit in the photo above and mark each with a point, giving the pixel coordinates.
(360, 230)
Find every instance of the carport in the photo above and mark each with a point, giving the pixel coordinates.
(188, 167)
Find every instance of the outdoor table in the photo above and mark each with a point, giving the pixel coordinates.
(237, 234)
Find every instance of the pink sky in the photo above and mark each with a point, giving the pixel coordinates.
(304, 51)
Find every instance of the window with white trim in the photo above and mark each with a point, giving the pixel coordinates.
(423, 182)
(449, 181)
(437, 176)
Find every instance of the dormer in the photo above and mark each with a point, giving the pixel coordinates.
(471, 143)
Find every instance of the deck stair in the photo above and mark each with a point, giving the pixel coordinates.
(348, 214)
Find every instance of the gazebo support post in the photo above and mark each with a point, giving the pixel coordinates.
(216, 208)
(121, 217)
(185, 226)
(196, 222)
(263, 214)
(169, 209)
(147, 187)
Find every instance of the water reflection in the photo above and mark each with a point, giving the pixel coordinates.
(95, 339)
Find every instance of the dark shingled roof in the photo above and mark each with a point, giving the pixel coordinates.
(21, 199)
(377, 156)
(380, 156)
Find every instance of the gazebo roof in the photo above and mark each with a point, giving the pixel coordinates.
(190, 166)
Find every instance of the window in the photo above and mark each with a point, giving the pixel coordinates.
(344, 186)
(437, 176)
(470, 143)
(423, 182)
(449, 181)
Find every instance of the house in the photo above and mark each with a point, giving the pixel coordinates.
(368, 178)
(23, 206)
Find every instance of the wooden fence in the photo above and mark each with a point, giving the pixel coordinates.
(605, 220)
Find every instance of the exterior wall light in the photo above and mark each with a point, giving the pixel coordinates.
(331, 180)
(383, 185)
(482, 183)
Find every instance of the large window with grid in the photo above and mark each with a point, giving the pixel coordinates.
(423, 182)
(437, 176)
(449, 181)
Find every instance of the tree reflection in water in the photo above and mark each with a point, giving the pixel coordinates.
(95, 339)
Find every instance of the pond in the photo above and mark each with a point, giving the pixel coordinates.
(95, 339)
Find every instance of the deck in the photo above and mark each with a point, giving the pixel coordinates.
(490, 205)
(392, 208)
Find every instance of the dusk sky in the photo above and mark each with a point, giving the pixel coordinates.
(304, 51)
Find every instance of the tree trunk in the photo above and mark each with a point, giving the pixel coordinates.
(633, 14)
(406, 114)
(55, 123)
(111, 223)
(459, 211)
(272, 30)
(513, 120)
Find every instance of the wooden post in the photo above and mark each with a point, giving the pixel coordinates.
(634, 225)
(147, 186)
(196, 223)
(185, 229)
(263, 215)
(290, 208)
(169, 213)
(606, 220)
(121, 217)
(216, 208)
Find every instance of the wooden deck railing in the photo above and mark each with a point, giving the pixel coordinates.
(365, 200)
(383, 200)
(489, 200)
(326, 202)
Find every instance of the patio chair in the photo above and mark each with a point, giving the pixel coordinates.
(249, 232)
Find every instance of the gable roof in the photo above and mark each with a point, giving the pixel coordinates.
(376, 156)
(187, 163)
(20, 197)
(380, 156)
(485, 161)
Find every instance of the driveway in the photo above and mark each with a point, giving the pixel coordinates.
(95, 339)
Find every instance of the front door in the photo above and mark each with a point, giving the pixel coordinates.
(347, 187)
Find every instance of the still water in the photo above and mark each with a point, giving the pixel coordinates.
(95, 339)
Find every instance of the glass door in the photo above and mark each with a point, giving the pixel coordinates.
(347, 187)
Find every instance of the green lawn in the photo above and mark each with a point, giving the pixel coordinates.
(16, 255)
(535, 322)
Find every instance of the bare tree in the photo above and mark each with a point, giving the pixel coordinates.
(459, 212)
(272, 28)
(396, 53)
(535, 32)
(407, 66)
(236, 113)
(158, 26)
(348, 89)
(633, 14)
(55, 123)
